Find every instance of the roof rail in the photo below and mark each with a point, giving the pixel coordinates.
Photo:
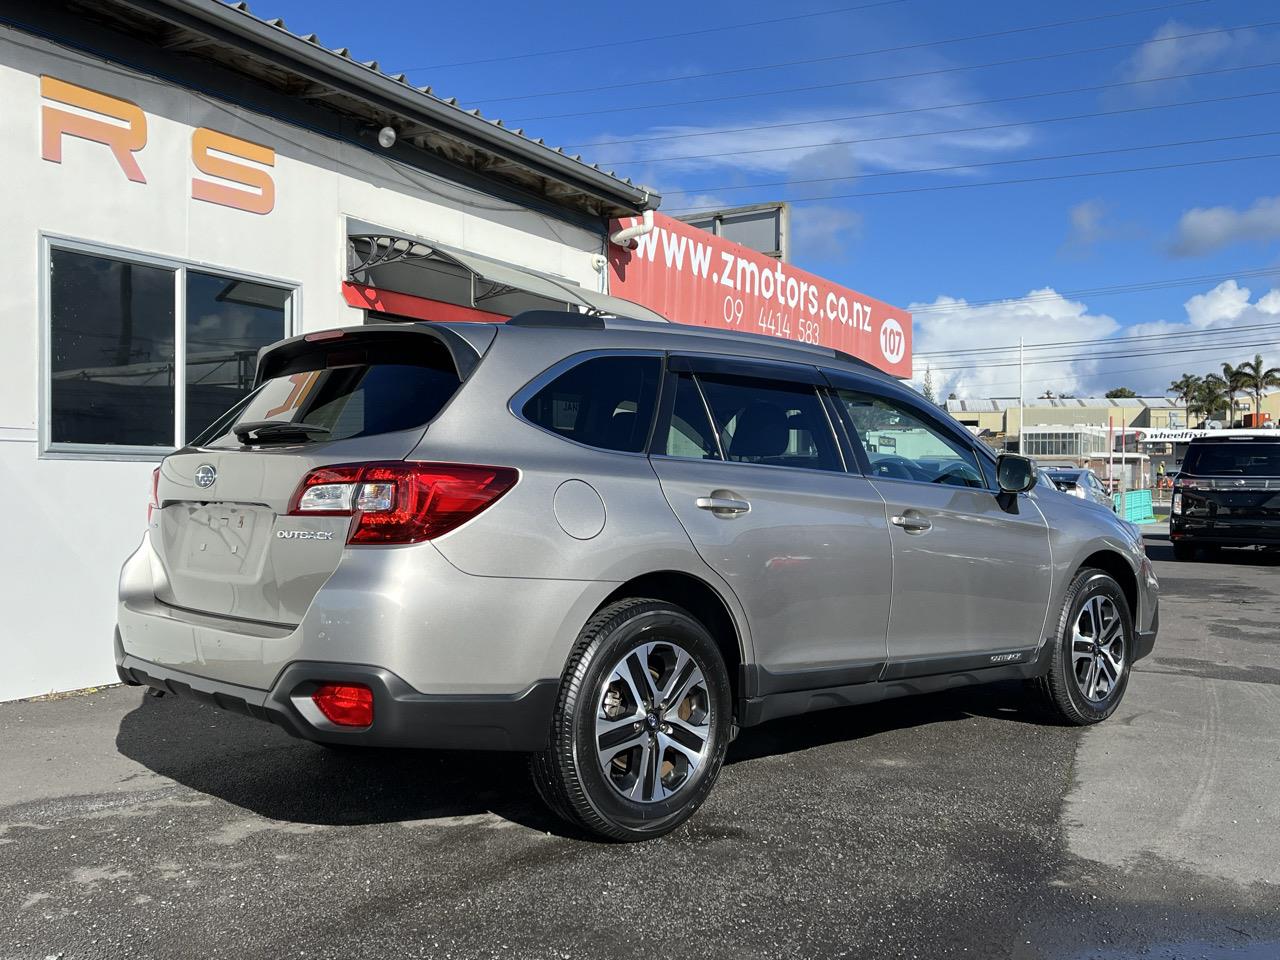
(567, 320)
(561, 319)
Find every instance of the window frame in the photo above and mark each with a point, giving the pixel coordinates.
(518, 400)
(49, 242)
(840, 379)
(695, 364)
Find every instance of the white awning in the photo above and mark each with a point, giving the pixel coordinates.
(376, 247)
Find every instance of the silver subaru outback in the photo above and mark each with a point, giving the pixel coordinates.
(610, 544)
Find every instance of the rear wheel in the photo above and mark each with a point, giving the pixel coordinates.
(641, 723)
(1093, 652)
(1183, 551)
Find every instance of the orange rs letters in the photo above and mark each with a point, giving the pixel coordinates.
(124, 141)
(203, 141)
(211, 151)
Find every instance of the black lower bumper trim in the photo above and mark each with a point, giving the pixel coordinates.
(1144, 641)
(402, 717)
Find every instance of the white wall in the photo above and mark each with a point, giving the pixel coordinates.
(68, 524)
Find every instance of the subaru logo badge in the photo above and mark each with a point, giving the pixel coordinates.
(205, 475)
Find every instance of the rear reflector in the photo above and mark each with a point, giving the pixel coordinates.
(154, 503)
(345, 704)
(400, 501)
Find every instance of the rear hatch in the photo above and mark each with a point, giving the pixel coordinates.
(224, 536)
(1234, 481)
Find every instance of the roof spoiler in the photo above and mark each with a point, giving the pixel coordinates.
(276, 357)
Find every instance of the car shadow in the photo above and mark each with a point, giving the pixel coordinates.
(1001, 701)
(259, 768)
(1159, 548)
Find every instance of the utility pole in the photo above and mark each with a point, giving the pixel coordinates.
(1021, 449)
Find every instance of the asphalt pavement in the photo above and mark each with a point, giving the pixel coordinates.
(955, 825)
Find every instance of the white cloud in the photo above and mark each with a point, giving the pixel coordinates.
(950, 324)
(1087, 227)
(754, 146)
(1205, 229)
(823, 232)
(1162, 57)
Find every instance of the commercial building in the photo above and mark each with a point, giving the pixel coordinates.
(186, 182)
(1126, 438)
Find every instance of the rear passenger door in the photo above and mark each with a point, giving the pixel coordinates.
(751, 465)
(971, 569)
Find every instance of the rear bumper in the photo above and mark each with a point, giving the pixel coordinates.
(1225, 532)
(402, 717)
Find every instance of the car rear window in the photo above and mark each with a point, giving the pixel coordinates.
(1233, 458)
(340, 399)
(604, 402)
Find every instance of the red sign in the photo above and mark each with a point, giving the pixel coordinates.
(691, 276)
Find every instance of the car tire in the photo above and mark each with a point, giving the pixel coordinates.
(1184, 552)
(622, 763)
(1092, 652)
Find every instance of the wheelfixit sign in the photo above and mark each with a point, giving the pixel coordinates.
(691, 276)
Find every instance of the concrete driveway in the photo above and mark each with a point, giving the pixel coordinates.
(954, 825)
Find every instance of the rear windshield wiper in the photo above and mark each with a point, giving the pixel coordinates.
(277, 430)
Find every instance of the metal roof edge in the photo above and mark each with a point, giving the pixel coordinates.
(306, 56)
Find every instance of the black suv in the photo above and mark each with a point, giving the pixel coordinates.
(1227, 495)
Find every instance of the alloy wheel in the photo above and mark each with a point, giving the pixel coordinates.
(652, 729)
(1097, 648)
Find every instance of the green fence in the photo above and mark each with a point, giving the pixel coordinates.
(1137, 506)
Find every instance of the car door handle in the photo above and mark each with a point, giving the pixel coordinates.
(911, 523)
(723, 506)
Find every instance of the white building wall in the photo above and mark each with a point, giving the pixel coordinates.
(69, 523)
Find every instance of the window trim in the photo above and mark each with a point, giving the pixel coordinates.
(695, 364)
(49, 242)
(518, 400)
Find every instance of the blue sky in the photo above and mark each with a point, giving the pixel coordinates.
(944, 248)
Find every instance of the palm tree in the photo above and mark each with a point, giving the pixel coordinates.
(1184, 388)
(1210, 395)
(1235, 384)
(1256, 380)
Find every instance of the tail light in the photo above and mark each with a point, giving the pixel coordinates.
(1175, 503)
(345, 704)
(154, 503)
(401, 501)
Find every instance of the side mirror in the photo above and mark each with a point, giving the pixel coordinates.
(1016, 474)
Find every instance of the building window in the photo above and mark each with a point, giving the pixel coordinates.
(144, 353)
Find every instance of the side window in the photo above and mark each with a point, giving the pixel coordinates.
(689, 433)
(900, 446)
(604, 402)
(771, 422)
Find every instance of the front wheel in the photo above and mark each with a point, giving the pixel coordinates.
(641, 724)
(1092, 654)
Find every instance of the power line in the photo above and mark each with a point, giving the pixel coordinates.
(1080, 358)
(1110, 373)
(1018, 180)
(1138, 287)
(840, 83)
(664, 36)
(919, 45)
(945, 106)
(1119, 341)
(970, 166)
(1246, 344)
(951, 130)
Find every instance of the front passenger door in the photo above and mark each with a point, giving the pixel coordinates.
(971, 570)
